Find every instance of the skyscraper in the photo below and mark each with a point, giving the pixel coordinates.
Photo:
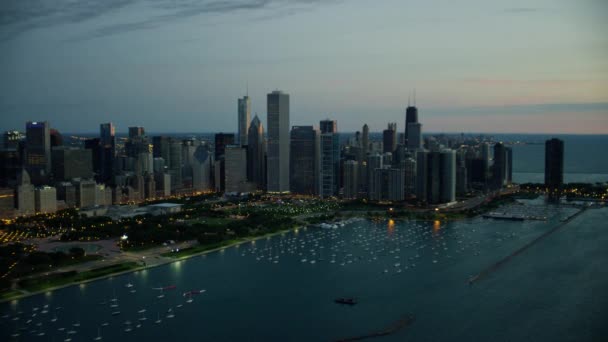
(411, 116)
(235, 159)
(69, 163)
(351, 179)
(329, 149)
(278, 142)
(328, 126)
(244, 112)
(256, 165)
(38, 147)
(304, 161)
(174, 164)
(135, 132)
(24, 194)
(45, 199)
(365, 141)
(389, 138)
(414, 136)
(436, 176)
(554, 164)
(221, 141)
(106, 151)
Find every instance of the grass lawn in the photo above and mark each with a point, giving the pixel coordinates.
(9, 294)
(198, 249)
(65, 278)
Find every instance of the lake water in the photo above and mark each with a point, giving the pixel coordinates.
(584, 157)
(270, 291)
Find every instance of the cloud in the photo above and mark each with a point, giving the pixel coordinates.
(18, 16)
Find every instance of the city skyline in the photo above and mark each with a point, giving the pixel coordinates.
(534, 67)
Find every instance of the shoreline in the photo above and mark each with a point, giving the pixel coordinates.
(25, 293)
(170, 260)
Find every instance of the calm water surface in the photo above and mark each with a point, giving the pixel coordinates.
(271, 291)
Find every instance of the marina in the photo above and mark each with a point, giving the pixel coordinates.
(385, 267)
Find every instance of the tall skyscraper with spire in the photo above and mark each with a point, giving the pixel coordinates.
(277, 169)
(413, 129)
(244, 117)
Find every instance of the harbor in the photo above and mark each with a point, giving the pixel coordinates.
(385, 267)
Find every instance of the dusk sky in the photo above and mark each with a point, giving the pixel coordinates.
(179, 66)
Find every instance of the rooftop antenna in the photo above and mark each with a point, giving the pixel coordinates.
(414, 97)
(408, 100)
(247, 89)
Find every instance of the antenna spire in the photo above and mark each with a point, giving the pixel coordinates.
(414, 97)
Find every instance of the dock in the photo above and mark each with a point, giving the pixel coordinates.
(391, 329)
(494, 267)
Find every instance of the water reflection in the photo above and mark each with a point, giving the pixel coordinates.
(390, 227)
(436, 227)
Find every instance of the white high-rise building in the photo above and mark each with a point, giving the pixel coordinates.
(244, 108)
(45, 199)
(25, 204)
(278, 142)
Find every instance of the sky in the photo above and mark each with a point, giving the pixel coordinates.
(534, 66)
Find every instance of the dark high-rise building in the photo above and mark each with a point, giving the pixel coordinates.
(10, 165)
(174, 164)
(56, 138)
(387, 185)
(38, 147)
(351, 179)
(160, 147)
(107, 151)
(328, 126)
(389, 138)
(221, 141)
(277, 166)
(329, 169)
(304, 161)
(554, 164)
(411, 116)
(477, 172)
(70, 163)
(436, 176)
(256, 164)
(94, 145)
(135, 132)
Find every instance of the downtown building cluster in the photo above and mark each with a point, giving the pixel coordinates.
(39, 174)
